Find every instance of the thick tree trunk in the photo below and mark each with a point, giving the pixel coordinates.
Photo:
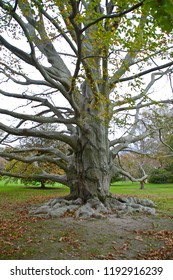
(89, 174)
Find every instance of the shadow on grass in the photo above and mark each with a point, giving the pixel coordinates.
(43, 189)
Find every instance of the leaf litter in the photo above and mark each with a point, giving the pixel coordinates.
(18, 234)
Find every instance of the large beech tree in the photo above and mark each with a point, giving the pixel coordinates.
(80, 64)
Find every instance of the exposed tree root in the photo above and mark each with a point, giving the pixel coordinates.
(94, 208)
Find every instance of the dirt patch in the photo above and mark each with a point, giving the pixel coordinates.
(118, 237)
(129, 237)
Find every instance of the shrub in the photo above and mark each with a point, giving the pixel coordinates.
(117, 178)
(160, 176)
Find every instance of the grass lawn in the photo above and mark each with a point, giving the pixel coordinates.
(25, 237)
(17, 192)
(161, 194)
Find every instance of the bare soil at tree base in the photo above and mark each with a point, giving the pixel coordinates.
(127, 237)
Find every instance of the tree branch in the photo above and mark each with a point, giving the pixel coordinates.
(57, 26)
(18, 52)
(27, 81)
(52, 151)
(15, 6)
(142, 73)
(163, 142)
(34, 158)
(38, 119)
(71, 140)
(134, 7)
(128, 175)
(52, 177)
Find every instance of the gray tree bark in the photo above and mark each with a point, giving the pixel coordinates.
(89, 172)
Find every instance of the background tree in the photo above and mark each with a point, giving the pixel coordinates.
(30, 148)
(27, 171)
(153, 155)
(164, 151)
(137, 167)
(2, 163)
(89, 56)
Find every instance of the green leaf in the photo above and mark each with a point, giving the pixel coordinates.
(162, 11)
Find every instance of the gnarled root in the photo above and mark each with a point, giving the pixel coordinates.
(60, 207)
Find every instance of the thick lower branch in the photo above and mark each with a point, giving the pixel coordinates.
(52, 177)
(38, 119)
(128, 175)
(34, 158)
(53, 151)
(70, 140)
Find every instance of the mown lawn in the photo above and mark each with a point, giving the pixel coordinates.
(17, 193)
(161, 194)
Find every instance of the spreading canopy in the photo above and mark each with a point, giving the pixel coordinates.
(80, 66)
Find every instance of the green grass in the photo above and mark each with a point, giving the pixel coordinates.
(161, 194)
(16, 195)
(19, 193)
